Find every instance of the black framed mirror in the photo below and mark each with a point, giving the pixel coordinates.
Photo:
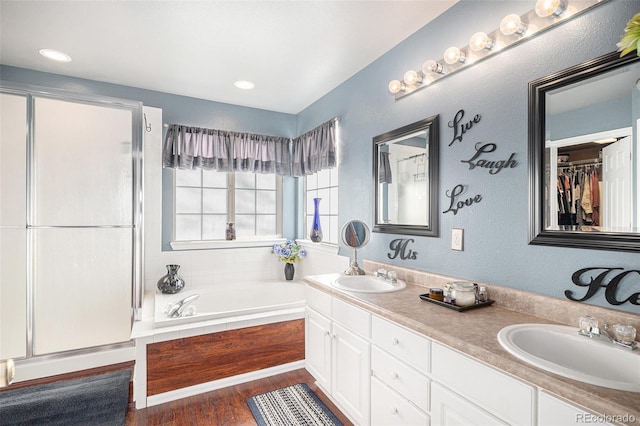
(584, 156)
(405, 171)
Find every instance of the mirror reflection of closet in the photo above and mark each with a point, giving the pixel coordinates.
(591, 196)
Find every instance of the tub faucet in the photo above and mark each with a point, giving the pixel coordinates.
(177, 309)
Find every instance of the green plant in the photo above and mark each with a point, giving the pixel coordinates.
(289, 251)
(630, 40)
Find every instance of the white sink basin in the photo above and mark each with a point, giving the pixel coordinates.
(367, 284)
(561, 350)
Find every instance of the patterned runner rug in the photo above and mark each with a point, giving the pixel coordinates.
(293, 405)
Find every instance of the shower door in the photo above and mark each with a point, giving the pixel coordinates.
(83, 223)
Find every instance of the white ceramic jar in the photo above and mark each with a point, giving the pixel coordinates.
(464, 293)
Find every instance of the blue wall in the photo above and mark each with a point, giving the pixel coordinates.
(496, 229)
(495, 237)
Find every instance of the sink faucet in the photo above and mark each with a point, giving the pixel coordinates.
(624, 334)
(387, 275)
(177, 309)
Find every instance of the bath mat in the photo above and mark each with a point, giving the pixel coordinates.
(293, 405)
(94, 400)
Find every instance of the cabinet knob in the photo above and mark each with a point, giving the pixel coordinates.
(394, 410)
(395, 341)
(394, 376)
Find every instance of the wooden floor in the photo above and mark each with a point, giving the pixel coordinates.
(226, 406)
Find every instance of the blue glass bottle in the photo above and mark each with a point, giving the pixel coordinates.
(316, 229)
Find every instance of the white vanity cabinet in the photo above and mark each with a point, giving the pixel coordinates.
(468, 387)
(338, 352)
(553, 411)
(399, 382)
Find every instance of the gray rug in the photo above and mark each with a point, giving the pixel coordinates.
(295, 405)
(95, 400)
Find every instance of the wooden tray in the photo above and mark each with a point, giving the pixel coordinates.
(454, 307)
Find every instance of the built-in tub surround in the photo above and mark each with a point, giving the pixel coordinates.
(474, 332)
(231, 300)
(276, 316)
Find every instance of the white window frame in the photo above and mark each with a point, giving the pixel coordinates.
(240, 242)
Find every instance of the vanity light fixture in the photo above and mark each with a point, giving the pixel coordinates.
(480, 41)
(546, 8)
(513, 29)
(55, 55)
(412, 77)
(513, 24)
(396, 86)
(454, 55)
(432, 66)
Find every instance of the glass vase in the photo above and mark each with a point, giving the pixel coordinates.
(316, 230)
(171, 283)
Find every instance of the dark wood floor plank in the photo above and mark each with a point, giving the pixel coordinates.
(224, 407)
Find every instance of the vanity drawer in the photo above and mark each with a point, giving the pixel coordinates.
(389, 408)
(402, 378)
(352, 318)
(505, 397)
(318, 301)
(402, 343)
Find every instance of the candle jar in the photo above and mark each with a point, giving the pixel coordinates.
(464, 293)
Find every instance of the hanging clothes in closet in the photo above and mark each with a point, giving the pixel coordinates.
(578, 196)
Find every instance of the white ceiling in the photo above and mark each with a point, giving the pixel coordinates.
(294, 51)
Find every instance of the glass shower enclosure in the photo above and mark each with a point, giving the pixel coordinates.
(70, 221)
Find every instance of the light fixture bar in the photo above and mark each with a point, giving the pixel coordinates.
(534, 25)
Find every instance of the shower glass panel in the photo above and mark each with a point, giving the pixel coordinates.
(82, 225)
(82, 288)
(82, 156)
(13, 234)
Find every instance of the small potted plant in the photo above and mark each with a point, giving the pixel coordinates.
(289, 252)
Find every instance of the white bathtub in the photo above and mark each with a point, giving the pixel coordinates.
(231, 300)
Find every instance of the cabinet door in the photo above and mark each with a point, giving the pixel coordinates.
(553, 411)
(389, 408)
(318, 348)
(351, 373)
(449, 409)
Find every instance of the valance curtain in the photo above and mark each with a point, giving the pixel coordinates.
(314, 150)
(193, 147)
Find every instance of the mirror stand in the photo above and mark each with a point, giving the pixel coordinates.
(354, 269)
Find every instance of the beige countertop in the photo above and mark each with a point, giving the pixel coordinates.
(474, 332)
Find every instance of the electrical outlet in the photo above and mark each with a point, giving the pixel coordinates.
(457, 236)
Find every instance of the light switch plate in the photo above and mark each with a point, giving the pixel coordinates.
(457, 236)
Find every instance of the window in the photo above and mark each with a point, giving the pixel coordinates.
(206, 200)
(323, 184)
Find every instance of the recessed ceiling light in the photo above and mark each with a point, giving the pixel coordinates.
(244, 84)
(55, 55)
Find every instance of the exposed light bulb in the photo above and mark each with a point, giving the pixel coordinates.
(412, 77)
(480, 41)
(396, 86)
(546, 8)
(512, 24)
(55, 55)
(432, 66)
(453, 55)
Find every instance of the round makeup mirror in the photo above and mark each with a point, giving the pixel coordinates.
(355, 234)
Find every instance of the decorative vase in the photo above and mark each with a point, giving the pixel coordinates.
(316, 229)
(289, 270)
(171, 283)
